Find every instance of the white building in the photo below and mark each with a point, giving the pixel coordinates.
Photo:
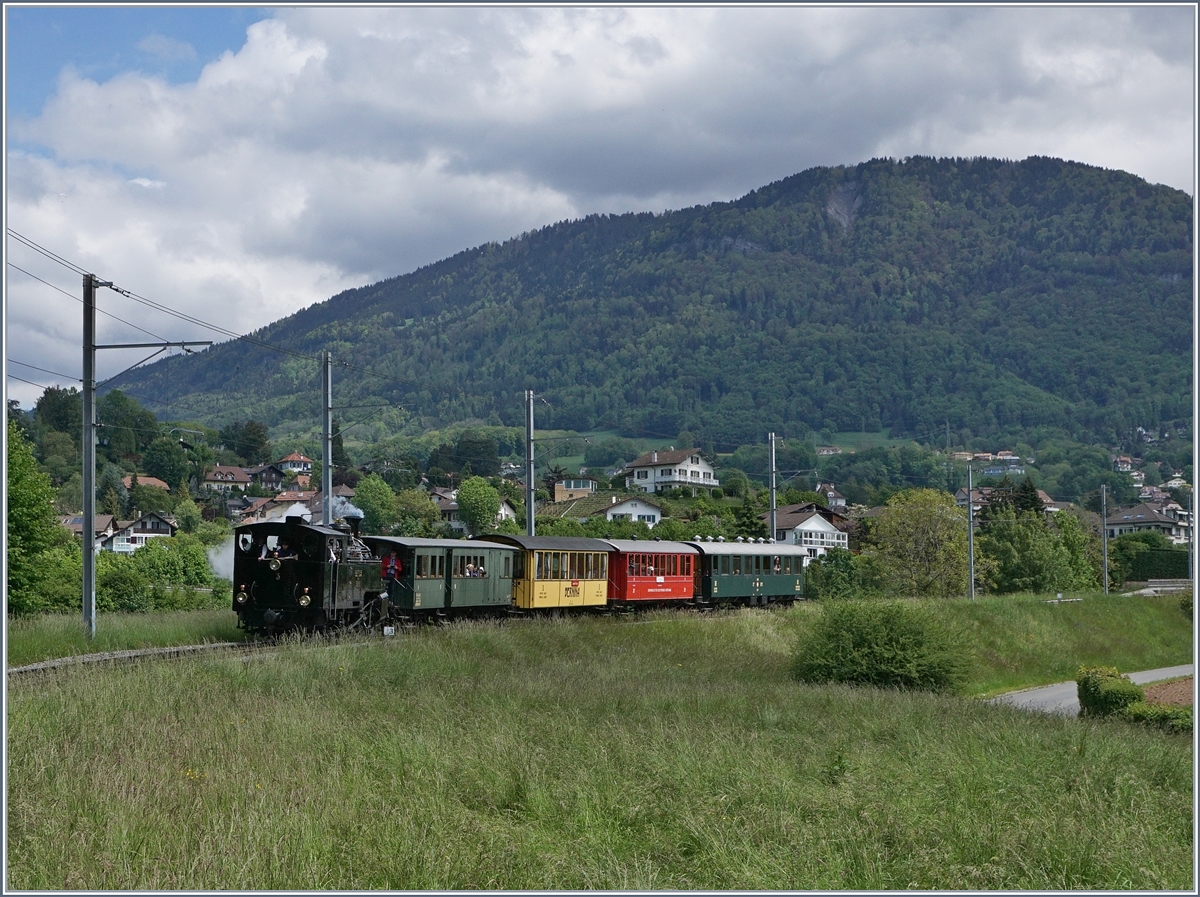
(655, 471)
(810, 529)
(634, 509)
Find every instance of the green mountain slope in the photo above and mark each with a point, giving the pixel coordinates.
(996, 297)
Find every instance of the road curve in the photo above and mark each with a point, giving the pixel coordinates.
(1063, 697)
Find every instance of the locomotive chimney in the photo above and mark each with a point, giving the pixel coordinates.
(354, 522)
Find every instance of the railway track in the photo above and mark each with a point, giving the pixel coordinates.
(262, 645)
(129, 656)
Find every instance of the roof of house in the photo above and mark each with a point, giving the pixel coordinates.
(145, 480)
(1142, 513)
(294, 456)
(224, 473)
(653, 459)
(590, 505)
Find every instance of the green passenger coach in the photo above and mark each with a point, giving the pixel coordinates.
(754, 573)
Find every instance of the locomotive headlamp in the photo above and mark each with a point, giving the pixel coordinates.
(242, 597)
(305, 598)
(274, 564)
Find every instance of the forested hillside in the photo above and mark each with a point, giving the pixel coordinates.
(1019, 300)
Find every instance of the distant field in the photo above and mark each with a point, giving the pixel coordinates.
(667, 752)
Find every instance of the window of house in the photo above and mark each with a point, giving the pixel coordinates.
(643, 474)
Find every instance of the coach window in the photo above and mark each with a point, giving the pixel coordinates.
(555, 565)
(573, 566)
(735, 562)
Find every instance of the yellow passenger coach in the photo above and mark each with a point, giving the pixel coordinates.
(557, 571)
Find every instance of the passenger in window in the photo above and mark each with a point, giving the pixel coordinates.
(284, 552)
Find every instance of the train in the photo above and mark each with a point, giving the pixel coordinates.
(294, 575)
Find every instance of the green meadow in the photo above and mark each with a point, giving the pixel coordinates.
(668, 751)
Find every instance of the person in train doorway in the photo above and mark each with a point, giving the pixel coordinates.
(390, 571)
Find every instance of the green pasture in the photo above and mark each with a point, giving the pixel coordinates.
(47, 636)
(667, 751)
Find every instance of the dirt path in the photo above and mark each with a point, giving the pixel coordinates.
(1177, 693)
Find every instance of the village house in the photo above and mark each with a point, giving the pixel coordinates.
(447, 505)
(607, 505)
(570, 488)
(1171, 520)
(124, 536)
(144, 480)
(981, 496)
(129, 535)
(223, 478)
(810, 526)
(268, 476)
(296, 462)
(834, 500)
(657, 470)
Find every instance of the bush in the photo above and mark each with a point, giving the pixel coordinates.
(1161, 716)
(121, 585)
(1185, 605)
(1103, 691)
(886, 644)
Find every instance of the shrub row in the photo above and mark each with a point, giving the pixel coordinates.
(1173, 719)
(1105, 692)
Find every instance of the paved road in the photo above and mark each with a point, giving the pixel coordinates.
(1063, 697)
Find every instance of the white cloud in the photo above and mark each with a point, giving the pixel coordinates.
(340, 145)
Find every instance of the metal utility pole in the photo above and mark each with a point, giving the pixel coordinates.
(326, 438)
(530, 525)
(89, 455)
(771, 438)
(970, 534)
(90, 282)
(1104, 532)
(1190, 528)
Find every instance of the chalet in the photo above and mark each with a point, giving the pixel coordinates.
(102, 527)
(1123, 463)
(128, 536)
(834, 499)
(268, 476)
(808, 524)
(658, 470)
(223, 478)
(1172, 523)
(634, 509)
(607, 505)
(296, 462)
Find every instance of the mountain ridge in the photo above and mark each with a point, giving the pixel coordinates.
(985, 296)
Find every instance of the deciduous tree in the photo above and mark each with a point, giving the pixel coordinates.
(922, 538)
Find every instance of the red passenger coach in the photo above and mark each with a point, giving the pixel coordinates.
(652, 571)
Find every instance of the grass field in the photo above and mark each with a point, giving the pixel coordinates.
(32, 639)
(672, 751)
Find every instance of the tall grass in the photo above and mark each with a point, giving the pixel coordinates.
(32, 639)
(672, 752)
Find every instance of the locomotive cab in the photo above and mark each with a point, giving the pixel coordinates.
(293, 575)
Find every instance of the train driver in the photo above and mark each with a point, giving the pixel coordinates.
(284, 552)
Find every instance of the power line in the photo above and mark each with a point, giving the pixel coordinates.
(80, 301)
(44, 371)
(53, 256)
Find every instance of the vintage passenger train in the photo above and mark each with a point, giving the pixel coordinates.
(295, 575)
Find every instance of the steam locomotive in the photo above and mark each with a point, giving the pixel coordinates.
(294, 575)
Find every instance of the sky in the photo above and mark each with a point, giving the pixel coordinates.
(238, 164)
